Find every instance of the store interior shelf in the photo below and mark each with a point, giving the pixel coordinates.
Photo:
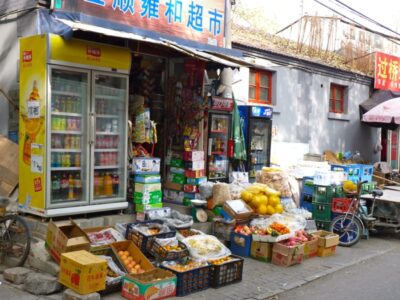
(56, 201)
(66, 150)
(107, 133)
(106, 116)
(66, 114)
(65, 168)
(107, 97)
(66, 132)
(105, 167)
(56, 92)
(106, 150)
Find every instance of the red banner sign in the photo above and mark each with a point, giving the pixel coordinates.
(387, 72)
(198, 20)
(224, 104)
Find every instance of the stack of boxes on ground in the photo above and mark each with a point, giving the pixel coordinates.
(323, 193)
(147, 192)
(186, 172)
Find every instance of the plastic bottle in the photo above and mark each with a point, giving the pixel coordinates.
(108, 185)
(96, 184)
(71, 185)
(77, 160)
(55, 187)
(64, 186)
(78, 186)
(101, 184)
(115, 183)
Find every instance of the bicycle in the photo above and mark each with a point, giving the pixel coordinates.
(350, 225)
(15, 237)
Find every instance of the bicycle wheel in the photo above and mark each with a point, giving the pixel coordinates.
(15, 241)
(349, 229)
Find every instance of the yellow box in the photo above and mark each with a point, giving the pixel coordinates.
(83, 272)
(322, 252)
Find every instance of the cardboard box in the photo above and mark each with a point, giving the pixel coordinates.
(177, 162)
(310, 248)
(177, 170)
(8, 166)
(261, 251)
(323, 252)
(286, 256)
(191, 196)
(188, 188)
(147, 178)
(176, 178)
(97, 249)
(147, 198)
(327, 239)
(238, 209)
(195, 174)
(193, 155)
(135, 253)
(196, 181)
(155, 284)
(145, 165)
(144, 207)
(64, 237)
(173, 186)
(146, 188)
(83, 272)
(195, 165)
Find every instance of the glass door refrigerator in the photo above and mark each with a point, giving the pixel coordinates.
(257, 129)
(219, 132)
(73, 160)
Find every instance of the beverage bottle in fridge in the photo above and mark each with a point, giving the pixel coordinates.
(108, 185)
(71, 186)
(64, 186)
(78, 186)
(57, 163)
(115, 183)
(101, 184)
(55, 187)
(96, 184)
(77, 160)
(53, 160)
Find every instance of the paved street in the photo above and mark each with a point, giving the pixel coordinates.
(263, 280)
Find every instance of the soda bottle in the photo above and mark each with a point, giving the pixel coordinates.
(58, 160)
(53, 160)
(68, 160)
(64, 186)
(71, 184)
(101, 184)
(108, 185)
(96, 184)
(66, 142)
(115, 183)
(77, 161)
(78, 186)
(55, 187)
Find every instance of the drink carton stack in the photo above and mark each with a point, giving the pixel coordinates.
(195, 174)
(146, 183)
(175, 181)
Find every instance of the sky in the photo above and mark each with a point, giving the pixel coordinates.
(283, 12)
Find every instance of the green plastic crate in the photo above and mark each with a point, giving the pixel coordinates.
(339, 193)
(323, 194)
(368, 187)
(323, 225)
(322, 211)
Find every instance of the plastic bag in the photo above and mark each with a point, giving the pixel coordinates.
(114, 268)
(275, 179)
(178, 220)
(167, 242)
(206, 189)
(221, 193)
(206, 247)
(236, 191)
(300, 212)
(151, 228)
(105, 237)
(293, 222)
(288, 204)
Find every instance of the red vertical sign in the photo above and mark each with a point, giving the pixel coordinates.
(387, 72)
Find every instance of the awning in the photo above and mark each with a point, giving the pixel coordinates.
(220, 58)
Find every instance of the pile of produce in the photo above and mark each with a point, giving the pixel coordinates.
(276, 179)
(262, 199)
(349, 187)
(130, 264)
(188, 232)
(274, 229)
(221, 260)
(184, 266)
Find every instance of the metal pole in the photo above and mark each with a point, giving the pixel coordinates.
(227, 73)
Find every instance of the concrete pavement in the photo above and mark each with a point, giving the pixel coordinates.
(262, 280)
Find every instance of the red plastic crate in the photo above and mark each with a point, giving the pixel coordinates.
(342, 205)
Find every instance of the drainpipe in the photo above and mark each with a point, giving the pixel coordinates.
(227, 73)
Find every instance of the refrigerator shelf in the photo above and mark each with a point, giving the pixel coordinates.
(107, 97)
(67, 132)
(56, 92)
(66, 150)
(107, 116)
(107, 133)
(66, 114)
(106, 167)
(106, 150)
(65, 168)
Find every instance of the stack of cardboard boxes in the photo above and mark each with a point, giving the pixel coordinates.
(173, 186)
(195, 174)
(146, 184)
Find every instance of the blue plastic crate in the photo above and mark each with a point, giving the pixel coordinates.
(353, 171)
(306, 202)
(308, 185)
(366, 172)
(241, 244)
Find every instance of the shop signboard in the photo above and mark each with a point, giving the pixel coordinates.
(197, 20)
(222, 104)
(387, 72)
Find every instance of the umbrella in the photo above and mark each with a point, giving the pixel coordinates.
(239, 145)
(387, 112)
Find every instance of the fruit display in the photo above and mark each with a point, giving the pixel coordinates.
(184, 266)
(173, 248)
(130, 264)
(278, 229)
(221, 260)
(349, 187)
(188, 232)
(262, 199)
(244, 229)
(205, 247)
(303, 236)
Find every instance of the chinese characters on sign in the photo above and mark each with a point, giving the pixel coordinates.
(199, 20)
(387, 75)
